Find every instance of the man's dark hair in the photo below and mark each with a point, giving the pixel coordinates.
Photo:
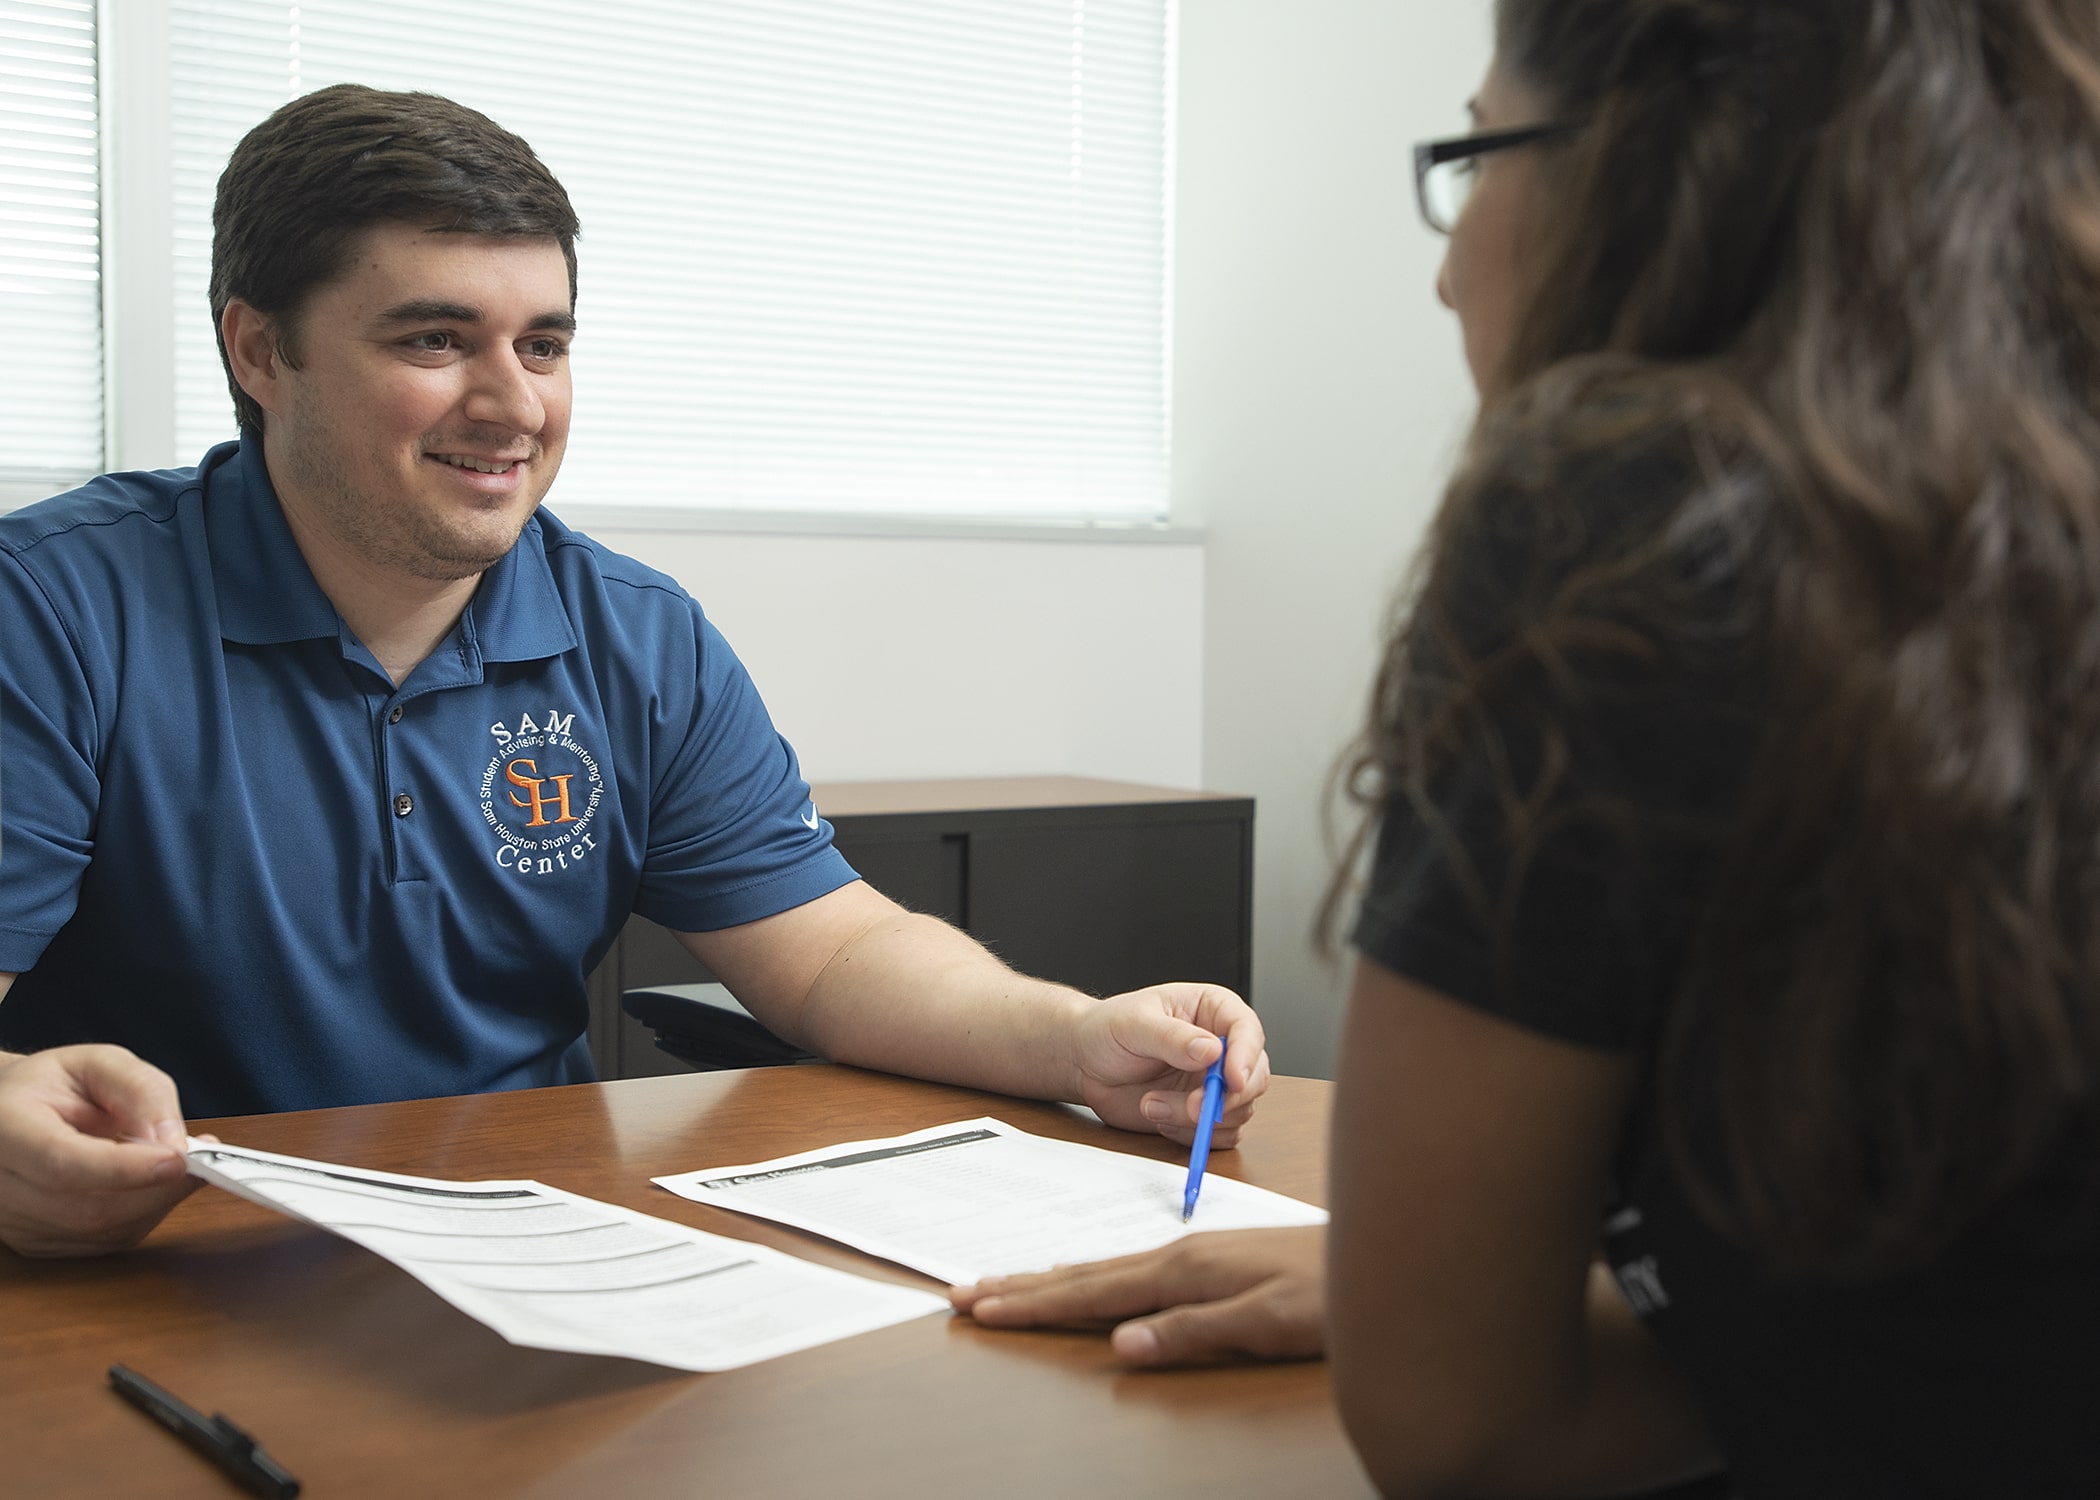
(302, 186)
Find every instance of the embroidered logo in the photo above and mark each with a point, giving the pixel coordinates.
(540, 793)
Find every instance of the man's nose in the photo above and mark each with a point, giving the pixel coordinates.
(505, 393)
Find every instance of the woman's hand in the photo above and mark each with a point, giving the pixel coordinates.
(1257, 1293)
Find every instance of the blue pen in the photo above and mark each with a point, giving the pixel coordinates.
(1206, 1122)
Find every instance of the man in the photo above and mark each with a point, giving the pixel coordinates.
(333, 765)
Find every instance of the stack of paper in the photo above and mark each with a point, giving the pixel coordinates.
(552, 1270)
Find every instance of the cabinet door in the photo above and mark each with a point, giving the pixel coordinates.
(1112, 907)
(921, 871)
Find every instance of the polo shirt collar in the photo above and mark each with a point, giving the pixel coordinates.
(268, 595)
(517, 613)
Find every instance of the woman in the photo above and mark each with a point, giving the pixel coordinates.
(1718, 1081)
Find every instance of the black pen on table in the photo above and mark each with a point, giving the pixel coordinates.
(1206, 1122)
(238, 1454)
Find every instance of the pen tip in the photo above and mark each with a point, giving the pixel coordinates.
(1186, 1214)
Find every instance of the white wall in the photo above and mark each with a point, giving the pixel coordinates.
(1319, 397)
(898, 657)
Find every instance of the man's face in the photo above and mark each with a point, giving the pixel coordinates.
(430, 405)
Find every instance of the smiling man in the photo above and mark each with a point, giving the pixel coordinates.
(333, 765)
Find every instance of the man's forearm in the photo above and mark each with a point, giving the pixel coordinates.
(910, 994)
(854, 976)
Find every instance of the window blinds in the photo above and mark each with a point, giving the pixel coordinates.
(50, 244)
(861, 256)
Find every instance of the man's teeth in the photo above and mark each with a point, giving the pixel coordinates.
(475, 464)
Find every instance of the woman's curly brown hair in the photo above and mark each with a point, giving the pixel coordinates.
(1841, 258)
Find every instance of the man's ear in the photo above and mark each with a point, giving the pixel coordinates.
(254, 353)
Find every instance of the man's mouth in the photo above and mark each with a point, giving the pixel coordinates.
(478, 465)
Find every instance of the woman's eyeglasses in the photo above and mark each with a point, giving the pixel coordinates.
(1446, 170)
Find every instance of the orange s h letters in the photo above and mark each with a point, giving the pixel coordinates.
(532, 781)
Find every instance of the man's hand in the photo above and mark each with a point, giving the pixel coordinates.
(91, 1142)
(1258, 1292)
(858, 979)
(1141, 1059)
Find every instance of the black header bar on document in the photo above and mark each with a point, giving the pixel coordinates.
(857, 1158)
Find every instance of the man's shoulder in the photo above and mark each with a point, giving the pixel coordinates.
(108, 511)
(581, 564)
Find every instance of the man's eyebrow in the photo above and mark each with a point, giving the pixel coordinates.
(431, 310)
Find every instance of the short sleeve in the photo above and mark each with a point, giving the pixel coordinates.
(50, 789)
(733, 833)
(1551, 867)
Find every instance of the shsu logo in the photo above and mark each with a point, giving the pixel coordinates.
(539, 793)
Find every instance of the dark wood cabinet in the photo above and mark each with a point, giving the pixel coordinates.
(1103, 885)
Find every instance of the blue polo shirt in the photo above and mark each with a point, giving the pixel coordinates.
(230, 843)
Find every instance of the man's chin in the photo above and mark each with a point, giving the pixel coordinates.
(452, 570)
(451, 558)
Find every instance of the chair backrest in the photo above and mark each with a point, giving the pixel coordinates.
(703, 1025)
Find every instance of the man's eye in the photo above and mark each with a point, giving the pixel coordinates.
(432, 343)
(545, 350)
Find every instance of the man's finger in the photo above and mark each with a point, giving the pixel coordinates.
(1220, 1012)
(1237, 1109)
(1163, 1036)
(1246, 1055)
(1254, 1076)
(136, 1098)
(64, 1164)
(36, 1222)
(60, 1109)
(1176, 1114)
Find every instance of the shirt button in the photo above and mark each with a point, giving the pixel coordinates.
(404, 805)
(395, 716)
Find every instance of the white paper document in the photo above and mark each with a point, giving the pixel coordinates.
(981, 1198)
(552, 1270)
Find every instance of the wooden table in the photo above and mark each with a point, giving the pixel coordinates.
(364, 1384)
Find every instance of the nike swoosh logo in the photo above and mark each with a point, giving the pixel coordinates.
(810, 818)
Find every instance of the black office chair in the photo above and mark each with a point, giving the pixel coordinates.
(703, 1026)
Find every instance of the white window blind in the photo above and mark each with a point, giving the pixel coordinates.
(902, 256)
(50, 244)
